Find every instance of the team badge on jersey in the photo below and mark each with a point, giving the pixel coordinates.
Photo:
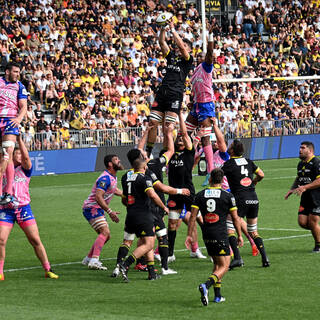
(211, 218)
(246, 182)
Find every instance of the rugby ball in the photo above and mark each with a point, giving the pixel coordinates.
(163, 18)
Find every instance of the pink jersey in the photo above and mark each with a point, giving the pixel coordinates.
(10, 94)
(106, 182)
(202, 85)
(20, 185)
(218, 162)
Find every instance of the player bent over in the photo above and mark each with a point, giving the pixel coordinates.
(215, 204)
(98, 202)
(307, 185)
(21, 211)
(137, 189)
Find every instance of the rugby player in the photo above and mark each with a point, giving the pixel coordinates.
(180, 176)
(203, 106)
(215, 204)
(137, 190)
(307, 185)
(155, 173)
(239, 172)
(95, 206)
(20, 211)
(169, 97)
(13, 107)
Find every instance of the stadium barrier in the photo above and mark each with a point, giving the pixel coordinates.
(91, 159)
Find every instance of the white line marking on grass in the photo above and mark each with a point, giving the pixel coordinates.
(179, 250)
(280, 229)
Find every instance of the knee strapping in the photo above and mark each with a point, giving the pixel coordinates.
(252, 227)
(156, 117)
(169, 119)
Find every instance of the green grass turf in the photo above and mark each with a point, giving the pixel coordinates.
(289, 289)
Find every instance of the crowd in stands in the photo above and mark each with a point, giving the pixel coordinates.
(96, 65)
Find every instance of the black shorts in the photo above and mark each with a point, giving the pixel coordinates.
(139, 227)
(179, 202)
(248, 207)
(158, 223)
(307, 206)
(217, 247)
(167, 100)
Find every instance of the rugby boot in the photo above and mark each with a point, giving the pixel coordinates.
(204, 294)
(50, 274)
(236, 263)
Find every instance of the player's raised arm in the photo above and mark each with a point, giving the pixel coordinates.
(183, 130)
(163, 43)
(222, 146)
(179, 42)
(209, 55)
(25, 159)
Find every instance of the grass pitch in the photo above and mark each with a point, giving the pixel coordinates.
(289, 289)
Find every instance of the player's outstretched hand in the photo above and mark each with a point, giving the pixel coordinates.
(299, 191)
(114, 216)
(288, 194)
(185, 192)
(188, 242)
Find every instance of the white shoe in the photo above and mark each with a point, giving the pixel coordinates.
(96, 265)
(115, 272)
(157, 256)
(168, 271)
(198, 254)
(86, 261)
(171, 258)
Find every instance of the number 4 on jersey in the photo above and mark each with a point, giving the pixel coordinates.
(244, 171)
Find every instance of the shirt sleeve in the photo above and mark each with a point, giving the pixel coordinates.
(207, 67)
(27, 172)
(103, 183)
(22, 93)
(224, 155)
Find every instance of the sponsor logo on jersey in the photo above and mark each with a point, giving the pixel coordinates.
(301, 209)
(131, 199)
(155, 104)
(2, 215)
(241, 161)
(211, 218)
(212, 193)
(132, 177)
(171, 204)
(246, 182)
(252, 201)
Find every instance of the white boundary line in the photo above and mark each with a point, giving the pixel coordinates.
(180, 250)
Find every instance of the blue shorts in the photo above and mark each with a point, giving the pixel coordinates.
(203, 111)
(7, 127)
(23, 216)
(92, 213)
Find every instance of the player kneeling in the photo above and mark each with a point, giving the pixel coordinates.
(214, 204)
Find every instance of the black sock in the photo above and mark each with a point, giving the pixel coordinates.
(149, 148)
(217, 287)
(259, 243)
(142, 260)
(122, 253)
(171, 239)
(151, 271)
(317, 244)
(234, 246)
(129, 261)
(164, 253)
(212, 280)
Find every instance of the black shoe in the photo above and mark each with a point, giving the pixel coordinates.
(266, 263)
(154, 277)
(6, 198)
(124, 272)
(316, 249)
(236, 263)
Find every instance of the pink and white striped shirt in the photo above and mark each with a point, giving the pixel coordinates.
(106, 182)
(10, 94)
(202, 85)
(218, 162)
(20, 185)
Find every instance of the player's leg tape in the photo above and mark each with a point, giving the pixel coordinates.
(171, 119)
(190, 126)
(5, 145)
(174, 215)
(230, 225)
(156, 116)
(161, 232)
(252, 227)
(205, 132)
(198, 214)
(98, 223)
(128, 236)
